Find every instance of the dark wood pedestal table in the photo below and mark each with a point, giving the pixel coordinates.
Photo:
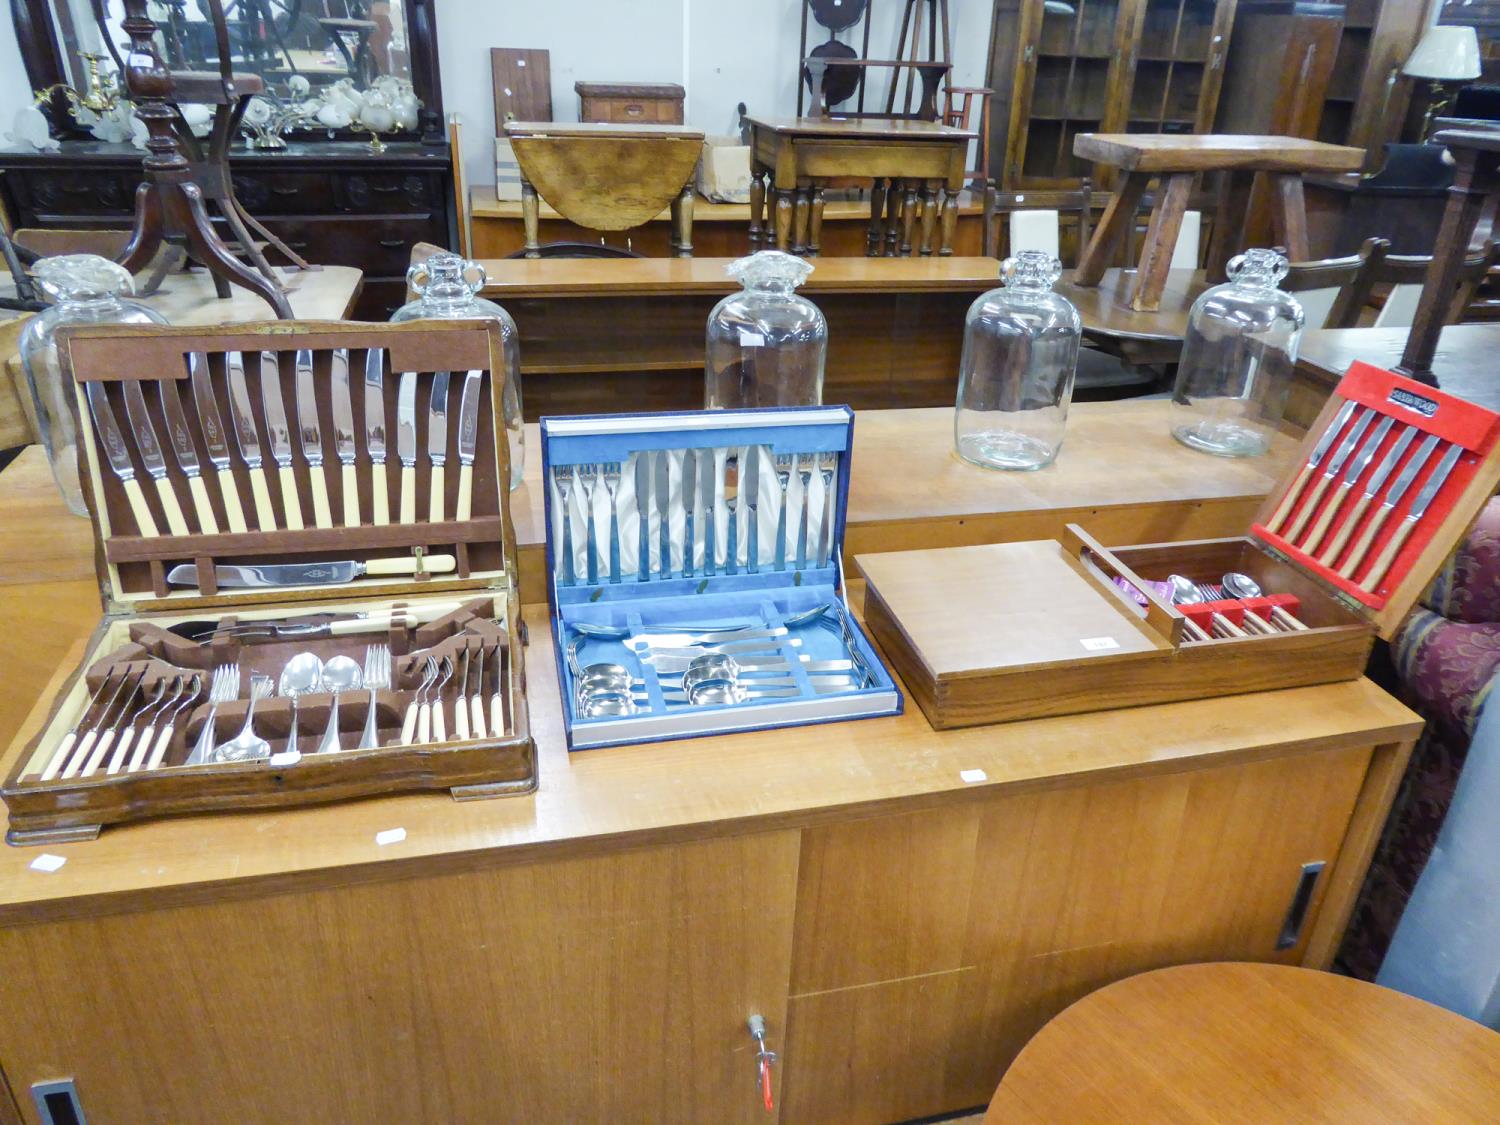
(908, 162)
(1178, 160)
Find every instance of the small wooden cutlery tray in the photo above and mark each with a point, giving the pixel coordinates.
(307, 475)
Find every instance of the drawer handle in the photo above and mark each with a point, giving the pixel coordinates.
(393, 243)
(385, 187)
(1296, 914)
(635, 109)
(764, 1059)
(282, 189)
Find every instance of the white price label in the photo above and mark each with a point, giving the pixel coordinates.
(390, 836)
(48, 863)
(285, 758)
(751, 339)
(1099, 644)
(971, 776)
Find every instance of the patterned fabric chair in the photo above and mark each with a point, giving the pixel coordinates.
(1447, 657)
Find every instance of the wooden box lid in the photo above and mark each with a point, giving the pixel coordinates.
(669, 90)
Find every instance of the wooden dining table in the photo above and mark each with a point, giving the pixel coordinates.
(1113, 326)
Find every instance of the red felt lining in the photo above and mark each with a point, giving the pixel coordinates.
(1451, 419)
(1234, 608)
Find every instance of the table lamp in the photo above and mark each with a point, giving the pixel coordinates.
(1444, 54)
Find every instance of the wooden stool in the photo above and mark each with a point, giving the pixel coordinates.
(1178, 160)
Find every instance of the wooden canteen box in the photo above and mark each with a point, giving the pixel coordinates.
(433, 531)
(1388, 481)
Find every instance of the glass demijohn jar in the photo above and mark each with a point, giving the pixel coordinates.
(766, 344)
(1015, 379)
(1237, 360)
(84, 289)
(447, 288)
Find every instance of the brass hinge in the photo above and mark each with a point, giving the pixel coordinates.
(1353, 605)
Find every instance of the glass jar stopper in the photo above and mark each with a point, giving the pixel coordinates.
(82, 277)
(1030, 269)
(1264, 268)
(770, 269)
(446, 277)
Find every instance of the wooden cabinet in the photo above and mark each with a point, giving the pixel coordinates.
(626, 103)
(1367, 96)
(1101, 66)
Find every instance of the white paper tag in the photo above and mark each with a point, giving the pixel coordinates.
(285, 758)
(390, 836)
(971, 776)
(48, 862)
(1099, 644)
(751, 339)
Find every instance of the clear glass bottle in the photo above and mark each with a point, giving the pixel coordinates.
(1237, 360)
(84, 289)
(447, 288)
(1015, 380)
(766, 343)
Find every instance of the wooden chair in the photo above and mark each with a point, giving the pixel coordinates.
(1033, 228)
(1405, 273)
(1332, 291)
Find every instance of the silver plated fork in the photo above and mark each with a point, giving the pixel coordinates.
(805, 472)
(786, 465)
(610, 475)
(377, 678)
(565, 490)
(588, 476)
(225, 687)
(828, 464)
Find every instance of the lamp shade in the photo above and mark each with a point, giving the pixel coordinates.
(1445, 54)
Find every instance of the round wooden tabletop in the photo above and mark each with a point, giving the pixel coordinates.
(1252, 1043)
(1106, 311)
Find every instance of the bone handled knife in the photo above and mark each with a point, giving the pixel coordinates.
(211, 426)
(1346, 486)
(242, 414)
(437, 442)
(406, 444)
(310, 574)
(181, 440)
(342, 402)
(1413, 517)
(468, 442)
(1372, 489)
(1335, 466)
(311, 434)
(149, 448)
(279, 434)
(1320, 450)
(380, 508)
(1387, 505)
(118, 455)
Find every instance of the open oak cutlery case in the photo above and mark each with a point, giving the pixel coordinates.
(259, 491)
(1388, 481)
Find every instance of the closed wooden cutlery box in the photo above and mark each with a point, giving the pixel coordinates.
(1387, 483)
(307, 567)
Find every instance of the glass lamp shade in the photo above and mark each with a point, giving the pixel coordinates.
(1445, 54)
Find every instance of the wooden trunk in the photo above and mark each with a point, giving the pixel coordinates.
(630, 103)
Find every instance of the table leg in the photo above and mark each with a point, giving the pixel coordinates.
(783, 219)
(1229, 222)
(815, 231)
(757, 206)
(682, 221)
(1289, 215)
(893, 197)
(1118, 217)
(801, 215)
(929, 215)
(1471, 187)
(1161, 240)
(908, 216)
(531, 219)
(875, 244)
(950, 220)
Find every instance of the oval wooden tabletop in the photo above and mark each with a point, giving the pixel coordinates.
(1252, 1043)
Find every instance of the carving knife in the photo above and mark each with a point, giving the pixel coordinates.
(1392, 498)
(468, 442)
(309, 431)
(312, 573)
(643, 513)
(1313, 461)
(343, 433)
(118, 455)
(406, 444)
(1346, 486)
(149, 447)
(181, 439)
(380, 504)
(664, 509)
(689, 487)
(749, 496)
(215, 440)
(1372, 489)
(707, 459)
(437, 442)
(279, 434)
(243, 416)
(1414, 516)
(1335, 464)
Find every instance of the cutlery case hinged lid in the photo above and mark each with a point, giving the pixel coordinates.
(133, 567)
(1430, 540)
(717, 592)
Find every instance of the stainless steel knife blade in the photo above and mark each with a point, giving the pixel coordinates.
(1346, 447)
(241, 413)
(1326, 441)
(750, 497)
(643, 512)
(116, 451)
(468, 418)
(706, 462)
(689, 487)
(276, 574)
(437, 419)
(1367, 451)
(210, 425)
(308, 428)
(664, 509)
(1409, 473)
(343, 405)
(1435, 482)
(375, 404)
(278, 433)
(1389, 462)
(406, 419)
(178, 434)
(142, 430)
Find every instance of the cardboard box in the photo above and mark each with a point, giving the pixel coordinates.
(724, 171)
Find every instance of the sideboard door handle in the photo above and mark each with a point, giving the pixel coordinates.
(1296, 913)
(393, 243)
